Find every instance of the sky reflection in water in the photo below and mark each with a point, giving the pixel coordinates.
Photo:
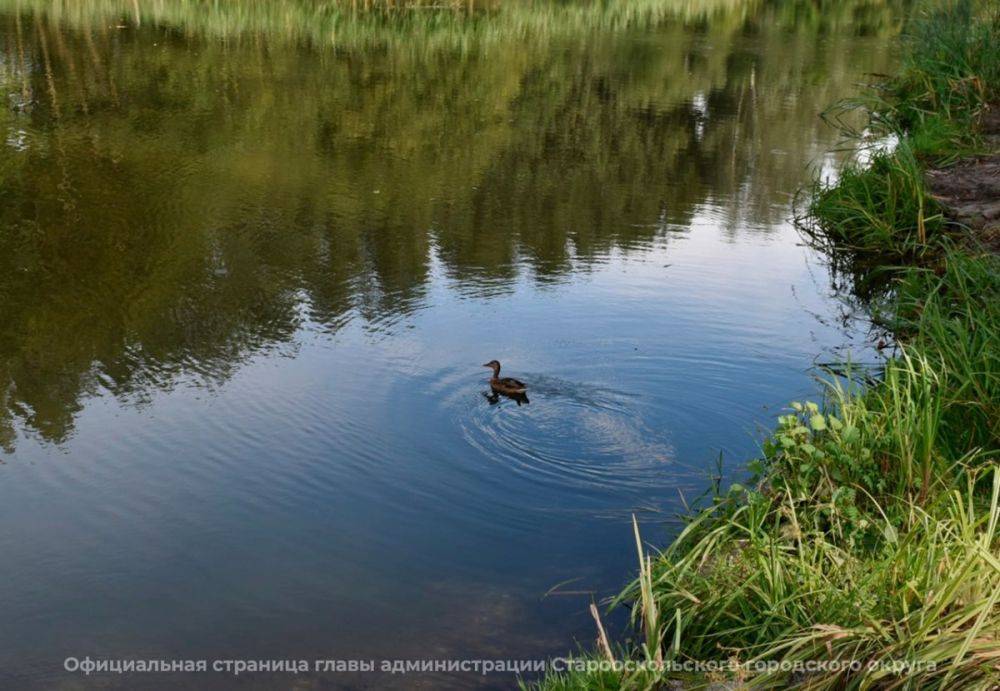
(248, 277)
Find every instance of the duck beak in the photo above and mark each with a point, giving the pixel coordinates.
(487, 365)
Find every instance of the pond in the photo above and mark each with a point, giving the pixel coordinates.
(253, 256)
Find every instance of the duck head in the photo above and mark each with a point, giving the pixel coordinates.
(495, 366)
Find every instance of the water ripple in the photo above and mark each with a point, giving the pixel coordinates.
(571, 435)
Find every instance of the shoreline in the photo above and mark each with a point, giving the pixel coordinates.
(864, 551)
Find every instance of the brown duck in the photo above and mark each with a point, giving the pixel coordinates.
(506, 385)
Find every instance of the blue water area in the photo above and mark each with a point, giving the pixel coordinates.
(249, 276)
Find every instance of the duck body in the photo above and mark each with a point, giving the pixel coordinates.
(508, 385)
(504, 385)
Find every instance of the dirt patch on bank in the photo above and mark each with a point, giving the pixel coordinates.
(970, 189)
(970, 194)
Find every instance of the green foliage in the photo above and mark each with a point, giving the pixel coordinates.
(414, 24)
(942, 139)
(818, 455)
(598, 679)
(951, 68)
(771, 576)
(879, 206)
(950, 74)
(951, 314)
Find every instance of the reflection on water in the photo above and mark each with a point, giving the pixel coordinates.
(253, 253)
(494, 397)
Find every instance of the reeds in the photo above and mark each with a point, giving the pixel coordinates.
(779, 578)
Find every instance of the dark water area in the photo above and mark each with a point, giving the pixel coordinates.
(251, 264)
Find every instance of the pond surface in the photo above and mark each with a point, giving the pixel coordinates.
(253, 256)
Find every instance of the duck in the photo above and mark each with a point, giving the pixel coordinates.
(507, 385)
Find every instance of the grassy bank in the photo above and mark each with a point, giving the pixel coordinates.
(865, 548)
(457, 25)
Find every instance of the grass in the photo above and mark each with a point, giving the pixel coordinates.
(878, 207)
(864, 551)
(451, 24)
(833, 574)
(950, 74)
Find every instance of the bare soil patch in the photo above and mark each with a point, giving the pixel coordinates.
(970, 189)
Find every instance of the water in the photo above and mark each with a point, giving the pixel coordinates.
(250, 268)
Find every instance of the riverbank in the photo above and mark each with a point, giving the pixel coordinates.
(864, 550)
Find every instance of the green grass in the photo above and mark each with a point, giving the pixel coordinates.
(951, 311)
(951, 70)
(868, 533)
(948, 77)
(833, 574)
(878, 207)
(449, 24)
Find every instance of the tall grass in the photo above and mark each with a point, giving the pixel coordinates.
(951, 311)
(951, 69)
(779, 577)
(879, 206)
(455, 24)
